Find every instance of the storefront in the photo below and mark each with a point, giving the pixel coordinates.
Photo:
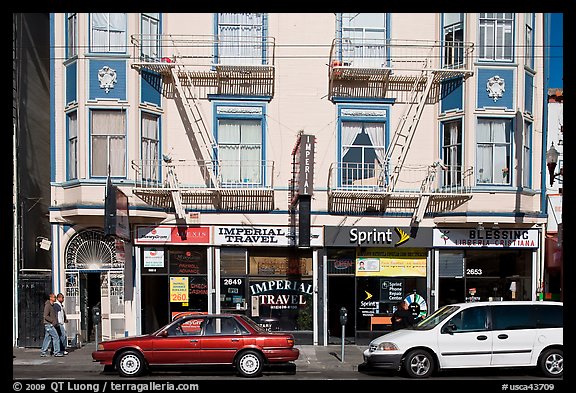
(369, 271)
(253, 270)
(174, 266)
(486, 264)
(261, 274)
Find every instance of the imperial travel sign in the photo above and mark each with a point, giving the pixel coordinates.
(489, 238)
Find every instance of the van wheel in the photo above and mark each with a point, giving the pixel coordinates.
(418, 364)
(250, 364)
(130, 364)
(552, 363)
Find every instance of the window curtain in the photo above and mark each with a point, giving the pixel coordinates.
(484, 153)
(240, 38)
(108, 143)
(240, 147)
(108, 32)
(150, 147)
(375, 132)
(493, 151)
(350, 131)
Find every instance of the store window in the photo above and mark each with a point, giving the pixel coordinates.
(474, 275)
(281, 289)
(385, 277)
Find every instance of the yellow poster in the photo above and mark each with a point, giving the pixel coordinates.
(392, 262)
(179, 289)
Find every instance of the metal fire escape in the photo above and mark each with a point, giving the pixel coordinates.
(189, 69)
(408, 74)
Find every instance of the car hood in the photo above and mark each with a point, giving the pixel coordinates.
(398, 335)
(126, 340)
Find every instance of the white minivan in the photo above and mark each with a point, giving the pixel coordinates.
(475, 335)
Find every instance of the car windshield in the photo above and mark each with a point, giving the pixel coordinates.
(254, 325)
(434, 319)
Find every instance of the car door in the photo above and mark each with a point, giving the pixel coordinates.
(180, 344)
(464, 340)
(222, 338)
(514, 328)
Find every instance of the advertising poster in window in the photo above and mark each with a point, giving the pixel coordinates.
(153, 261)
(188, 261)
(233, 293)
(179, 289)
(391, 262)
(282, 304)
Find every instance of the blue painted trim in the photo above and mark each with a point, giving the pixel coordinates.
(490, 214)
(224, 97)
(544, 169)
(344, 100)
(52, 100)
(159, 139)
(240, 116)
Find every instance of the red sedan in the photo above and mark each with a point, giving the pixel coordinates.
(221, 339)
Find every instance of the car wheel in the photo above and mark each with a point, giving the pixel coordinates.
(552, 363)
(419, 364)
(130, 364)
(249, 364)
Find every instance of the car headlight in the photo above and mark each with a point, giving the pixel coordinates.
(100, 347)
(386, 346)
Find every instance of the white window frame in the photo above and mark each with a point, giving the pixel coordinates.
(453, 40)
(493, 169)
(363, 45)
(72, 126)
(113, 29)
(71, 35)
(151, 28)
(496, 37)
(240, 38)
(150, 146)
(452, 152)
(114, 149)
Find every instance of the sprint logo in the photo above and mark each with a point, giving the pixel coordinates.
(404, 237)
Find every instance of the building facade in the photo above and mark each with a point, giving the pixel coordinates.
(288, 165)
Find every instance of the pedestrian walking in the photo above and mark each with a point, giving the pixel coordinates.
(50, 321)
(62, 319)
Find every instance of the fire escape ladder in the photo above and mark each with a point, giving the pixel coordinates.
(175, 191)
(425, 190)
(201, 133)
(407, 126)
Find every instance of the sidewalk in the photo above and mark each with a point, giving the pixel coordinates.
(312, 357)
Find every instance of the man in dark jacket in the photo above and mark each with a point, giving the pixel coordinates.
(50, 321)
(402, 317)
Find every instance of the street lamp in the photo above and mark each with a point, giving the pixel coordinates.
(551, 162)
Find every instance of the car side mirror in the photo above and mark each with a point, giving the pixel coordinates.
(449, 328)
(163, 333)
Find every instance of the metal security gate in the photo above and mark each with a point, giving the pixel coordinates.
(33, 292)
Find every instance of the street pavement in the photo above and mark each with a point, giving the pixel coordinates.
(312, 358)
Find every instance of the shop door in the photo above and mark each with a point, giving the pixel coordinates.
(112, 305)
(341, 293)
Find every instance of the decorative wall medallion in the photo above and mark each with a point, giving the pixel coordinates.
(107, 78)
(495, 87)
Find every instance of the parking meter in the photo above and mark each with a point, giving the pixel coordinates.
(96, 316)
(343, 320)
(343, 316)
